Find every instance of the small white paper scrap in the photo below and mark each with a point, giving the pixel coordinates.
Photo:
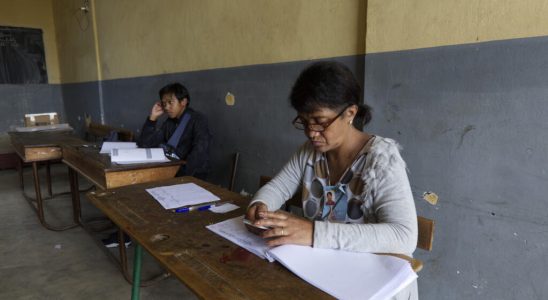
(224, 208)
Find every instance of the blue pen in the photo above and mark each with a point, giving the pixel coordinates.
(192, 208)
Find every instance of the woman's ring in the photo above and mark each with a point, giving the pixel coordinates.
(282, 231)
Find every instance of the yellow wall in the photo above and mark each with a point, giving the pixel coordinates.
(149, 37)
(76, 45)
(34, 14)
(403, 24)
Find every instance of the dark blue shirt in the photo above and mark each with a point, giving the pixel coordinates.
(193, 147)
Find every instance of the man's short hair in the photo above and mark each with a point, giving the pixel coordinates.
(178, 90)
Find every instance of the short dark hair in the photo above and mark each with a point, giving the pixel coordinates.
(178, 90)
(329, 84)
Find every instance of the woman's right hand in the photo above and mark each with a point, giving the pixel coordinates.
(156, 111)
(252, 215)
(253, 211)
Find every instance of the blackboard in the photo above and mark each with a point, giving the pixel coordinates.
(22, 58)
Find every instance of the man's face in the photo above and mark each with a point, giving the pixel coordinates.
(172, 106)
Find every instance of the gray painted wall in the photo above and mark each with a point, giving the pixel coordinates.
(16, 100)
(80, 99)
(473, 121)
(258, 125)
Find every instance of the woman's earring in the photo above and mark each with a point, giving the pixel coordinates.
(350, 123)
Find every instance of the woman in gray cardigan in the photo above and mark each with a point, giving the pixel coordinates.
(355, 191)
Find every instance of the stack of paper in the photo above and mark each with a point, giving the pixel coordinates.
(347, 275)
(55, 127)
(136, 156)
(180, 195)
(108, 146)
(235, 231)
(342, 274)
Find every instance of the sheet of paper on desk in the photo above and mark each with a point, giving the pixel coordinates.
(234, 230)
(342, 274)
(54, 127)
(108, 146)
(137, 156)
(179, 195)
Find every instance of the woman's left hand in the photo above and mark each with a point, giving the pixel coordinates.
(286, 228)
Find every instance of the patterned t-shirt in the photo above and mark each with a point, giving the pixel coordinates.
(345, 201)
(376, 191)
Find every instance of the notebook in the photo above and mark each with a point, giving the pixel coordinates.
(137, 156)
(108, 146)
(342, 274)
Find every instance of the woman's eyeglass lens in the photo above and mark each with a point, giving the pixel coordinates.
(301, 124)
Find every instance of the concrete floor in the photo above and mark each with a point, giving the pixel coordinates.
(36, 263)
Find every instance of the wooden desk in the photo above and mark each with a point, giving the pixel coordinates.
(96, 167)
(42, 146)
(211, 266)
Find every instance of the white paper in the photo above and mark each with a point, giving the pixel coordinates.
(235, 231)
(342, 274)
(179, 195)
(55, 127)
(136, 156)
(223, 208)
(108, 146)
(347, 275)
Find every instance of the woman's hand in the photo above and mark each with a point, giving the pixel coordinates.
(286, 228)
(254, 211)
(253, 214)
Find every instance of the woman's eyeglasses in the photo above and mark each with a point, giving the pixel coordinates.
(302, 124)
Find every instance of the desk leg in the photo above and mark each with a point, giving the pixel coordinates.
(124, 263)
(39, 205)
(135, 289)
(38, 193)
(75, 192)
(123, 255)
(20, 165)
(48, 179)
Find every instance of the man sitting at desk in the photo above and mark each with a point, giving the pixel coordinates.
(184, 135)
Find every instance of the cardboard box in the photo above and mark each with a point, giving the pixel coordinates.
(41, 119)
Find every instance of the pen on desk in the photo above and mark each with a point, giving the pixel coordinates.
(193, 208)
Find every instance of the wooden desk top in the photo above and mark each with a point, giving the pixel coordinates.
(41, 145)
(210, 265)
(98, 168)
